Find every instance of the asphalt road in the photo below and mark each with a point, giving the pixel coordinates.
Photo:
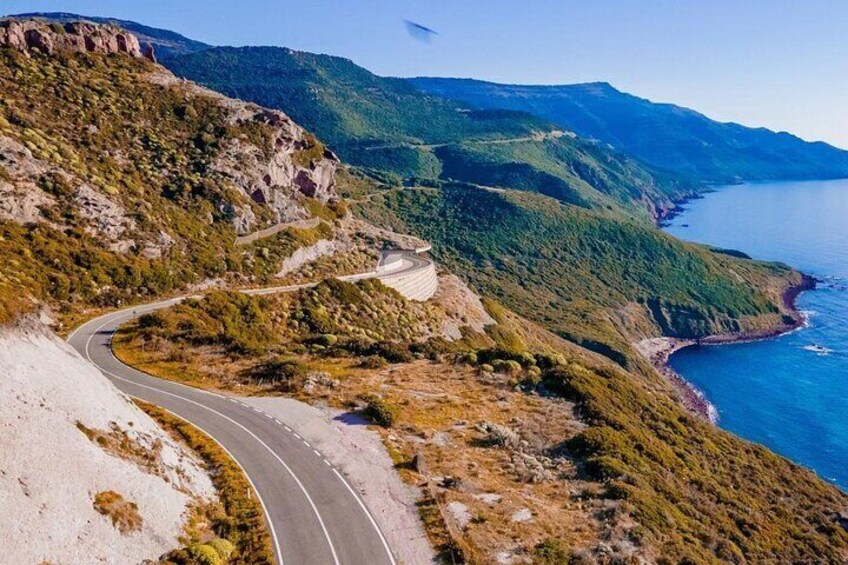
(315, 515)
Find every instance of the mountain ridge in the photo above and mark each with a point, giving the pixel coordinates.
(666, 135)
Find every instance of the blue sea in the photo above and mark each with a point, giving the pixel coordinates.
(789, 393)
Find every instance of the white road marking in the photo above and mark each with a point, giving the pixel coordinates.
(123, 313)
(254, 436)
(315, 451)
(370, 517)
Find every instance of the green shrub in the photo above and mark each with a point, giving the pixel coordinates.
(224, 548)
(373, 362)
(205, 554)
(327, 340)
(379, 411)
(288, 374)
(551, 552)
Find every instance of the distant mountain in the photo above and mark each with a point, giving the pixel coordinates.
(165, 43)
(387, 124)
(663, 135)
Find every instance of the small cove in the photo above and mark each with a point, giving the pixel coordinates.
(789, 393)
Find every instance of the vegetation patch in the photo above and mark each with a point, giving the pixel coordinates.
(118, 443)
(123, 513)
(241, 527)
(598, 279)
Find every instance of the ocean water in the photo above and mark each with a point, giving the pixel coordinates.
(789, 393)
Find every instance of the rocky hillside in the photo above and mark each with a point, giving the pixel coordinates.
(91, 478)
(132, 180)
(165, 43)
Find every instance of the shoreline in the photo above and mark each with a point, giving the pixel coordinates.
(659, 350)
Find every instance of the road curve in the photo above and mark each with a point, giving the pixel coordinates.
(315, 516)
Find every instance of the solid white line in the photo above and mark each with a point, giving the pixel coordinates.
(340, 477)
(367, 513)
(249, 480)
(254, 436)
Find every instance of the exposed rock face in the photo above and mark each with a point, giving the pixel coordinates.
(22, 201)
(34, 34)
(269, 176)
(51, 467)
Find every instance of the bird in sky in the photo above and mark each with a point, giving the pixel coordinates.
(419, 32)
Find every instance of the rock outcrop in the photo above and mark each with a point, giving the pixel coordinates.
(34, 34)
(268, 172)
(275, 176)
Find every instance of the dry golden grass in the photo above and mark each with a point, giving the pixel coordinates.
(123, 513)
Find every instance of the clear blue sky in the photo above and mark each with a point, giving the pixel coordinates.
(782, 64)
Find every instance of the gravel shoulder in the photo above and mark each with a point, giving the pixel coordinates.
(347, 442)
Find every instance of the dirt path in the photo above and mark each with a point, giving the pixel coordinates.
(268, 232)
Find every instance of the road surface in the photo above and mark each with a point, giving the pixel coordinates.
(315, 516)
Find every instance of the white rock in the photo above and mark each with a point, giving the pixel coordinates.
(50, 471)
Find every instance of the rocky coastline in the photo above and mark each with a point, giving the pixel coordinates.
(659, 350)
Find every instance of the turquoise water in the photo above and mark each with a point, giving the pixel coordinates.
(784, 393)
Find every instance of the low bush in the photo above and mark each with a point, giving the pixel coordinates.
(373, 362)
(551, 552)
(287, 374)
(379, 411)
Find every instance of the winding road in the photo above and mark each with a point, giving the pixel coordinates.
(315, 515)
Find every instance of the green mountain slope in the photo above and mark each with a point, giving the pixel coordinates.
(602, 279)
(663, 135)
(593, 270)
(386, 124)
